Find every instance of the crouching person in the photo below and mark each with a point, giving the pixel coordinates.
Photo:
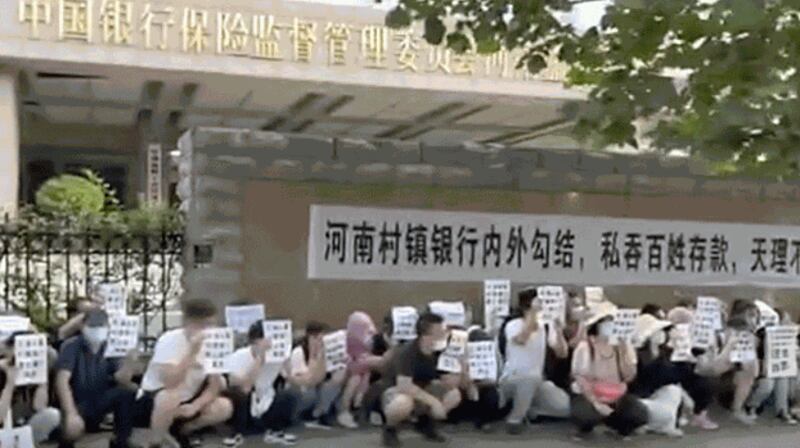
(413, 385)
(307, 376)
(258, 407)
(28, 403)
(601, 374)
(90, 386)
(178, 397)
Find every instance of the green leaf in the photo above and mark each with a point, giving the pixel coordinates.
(488, 46)
(70, 195)
(398, 18)
(434, 30)
(458, 42)
(536, 63)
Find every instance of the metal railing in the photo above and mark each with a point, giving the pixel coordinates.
(42, 271)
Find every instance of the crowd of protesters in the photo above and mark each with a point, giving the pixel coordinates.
(570, 369)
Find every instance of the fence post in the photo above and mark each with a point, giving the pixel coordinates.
(145, 276)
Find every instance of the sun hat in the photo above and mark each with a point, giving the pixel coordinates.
(680, 315)
(646, 326)
(600, 312)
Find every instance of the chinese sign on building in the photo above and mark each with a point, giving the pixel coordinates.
(416, 245)
(258, 35)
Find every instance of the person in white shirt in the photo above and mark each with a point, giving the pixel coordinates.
(178, 396)
(307, 374)
(522, 381)
(258, 406)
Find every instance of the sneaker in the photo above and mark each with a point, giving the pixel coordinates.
(234, 441)
(515, 429)
(346, 420)
(390, 439)
(319, 423)
(788, 419)
(375, 419)
(744, 418)
(703, 422)
(279, 438)
(427, 428)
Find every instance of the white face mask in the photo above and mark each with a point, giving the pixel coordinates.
(605, 329)
(95, 335)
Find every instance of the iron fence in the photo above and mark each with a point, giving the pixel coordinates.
(45, 270)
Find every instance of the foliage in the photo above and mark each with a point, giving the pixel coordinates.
(88, 202)
(716, 78)
(69, 194)
(76, 232)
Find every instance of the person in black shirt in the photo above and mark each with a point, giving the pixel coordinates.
(90, 386)
(411, 378)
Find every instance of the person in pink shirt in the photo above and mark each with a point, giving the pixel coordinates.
(360, 332)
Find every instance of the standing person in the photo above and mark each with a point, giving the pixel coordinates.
(412, 385)
(89, 386)
(776, 388)
(178, 396)
(601, 373)
(523, 382)
(307, 374)
(361, 334)
(29, 404)
(258, 407)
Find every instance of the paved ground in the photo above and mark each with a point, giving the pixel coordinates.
(767, 434)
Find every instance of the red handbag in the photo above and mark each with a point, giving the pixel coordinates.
(607, 392)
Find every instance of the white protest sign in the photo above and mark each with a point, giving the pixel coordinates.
(680, 339)
(30, 356)
(594, 296)
(404, 323)
(705, 322)
(123, 335)
(624, 324)
(241, 317)
(450, 360)
(335, 350)
(768, 317)
(453, 313)
(711, 310)
(482, 360)
(448, 363)
(744, 349)
(11, 437)
(217, 346)
(113, 296)
(13, 324)
(496, 302)
(781, 351)
(553, 302)
(279, 332)
(457, 345)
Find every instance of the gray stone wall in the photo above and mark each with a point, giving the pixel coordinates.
(217, 165)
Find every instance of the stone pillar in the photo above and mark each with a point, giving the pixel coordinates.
(9, 144)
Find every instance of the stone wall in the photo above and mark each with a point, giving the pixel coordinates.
(247, 196)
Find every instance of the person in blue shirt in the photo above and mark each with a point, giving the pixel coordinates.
(89, 386)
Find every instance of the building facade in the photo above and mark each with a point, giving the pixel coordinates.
(110, 85)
